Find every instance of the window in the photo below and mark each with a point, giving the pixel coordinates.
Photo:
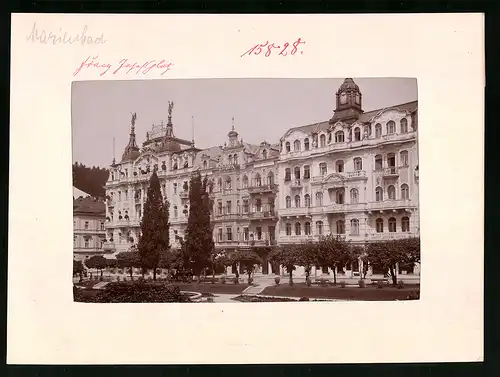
(287, 146)
(339, 166)
(392, 224)
(339, 196)
(228, 207)
(319, 227)
(322, 141)
(405, 224)
(355, 226)
(340, 226)
(175, 211)
(125, 194)
(264, 154)
(307, 200)
(228, 183)
(230, 159)
(319, 199)
(368, 131)
(86, 225)
(297, 201)
(186, 165)
(175, 188)
(288, 175)
(219, 184)
(339, 136)
(175, 166)
(245, 205)
(379, 195)
(404, 125)
(229, 234)
(74, 240)
(378, 130)
(258, 231)
(245, 181)
(322, 168)
(297, 229)
(270, 178)
(391, 192)
(354, 196)
(329, 137)
(357, 134)
(258, 180)
(258, 205)
(219, 235)
(405, 191)
(391, 127)
(307, 172)
(307, 228)
(379, 223)
(219, 208)
(246, 233)
(288, 202)
(378, 162)
(87, 244)
(296, 172)
(296, 146)
(306, 144)
(358, 164)
(236, 159)
(288, 229)
(404, 158)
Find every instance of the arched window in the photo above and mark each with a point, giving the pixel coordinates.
(270, 178)
(358, 164)
(236, 159)
(322, 141)
(296, 172)
(319, 227)
(379, 223)
(264, 154)
(307, 200)
(339, 136)
(340, 226)
(403, 125)
(339, 196)
(404, 158)
(287, 146)
(245, 181)
(288, 175)
(307, 172)
(392, 225)
(378, 130)
(354, 196)
(228, 183)
(175, 166)
(379, 194)
(204, 164)
(296, 146)
(368, 131)
(405, 191)
(175, 211)
(288, 202)
(288, 228)
(297, 229)
(355, 226)
(297, 201)
(378, 162)
(307, 228)
(322, 168)
(405, 224)
(391, 192)
(329, 137)
(306, 144)
(258, 180)
(339, 166)
(186, 165)
(230, 159)
(391, 127)
(319, 199)
(357, 134)
(219, 184)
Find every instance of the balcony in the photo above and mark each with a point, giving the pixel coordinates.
(296, 184)
(263, 214)
(184, 195)
(109, 246)
(328, 208)
(260, 189)
(295, 211)
(361, 174)
(390, 172)
(391, 205)
(227, 217)
(385, 236)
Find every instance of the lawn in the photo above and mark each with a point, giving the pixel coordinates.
(227, 288)
(369, 293)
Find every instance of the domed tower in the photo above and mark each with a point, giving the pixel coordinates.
(348, 106)
(233, 136)
(131, 151)
(170, 142)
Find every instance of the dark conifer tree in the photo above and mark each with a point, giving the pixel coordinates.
(199, 238)
(154, 239)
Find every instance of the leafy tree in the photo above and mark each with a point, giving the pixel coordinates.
(154, 237)
(128, 259)
(333, 252)
(199, 242)
(388, 254)
(248, 259)
(287, 256)
(219, 260)
(90, 180)
(97, 261)
(307, 256)
(77, 267)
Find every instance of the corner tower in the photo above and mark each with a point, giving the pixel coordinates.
(348, 103)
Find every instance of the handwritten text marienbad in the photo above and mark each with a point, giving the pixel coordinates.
(64, 37)
(124, 66)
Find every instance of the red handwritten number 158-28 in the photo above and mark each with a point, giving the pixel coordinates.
(269, 48)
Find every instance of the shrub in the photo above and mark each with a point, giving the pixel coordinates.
(380, 284)
(342, 284)
(361, 283)
(277, 280)
(223, 280)
(401, 284)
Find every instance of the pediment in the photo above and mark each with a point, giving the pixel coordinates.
(392, 113)
(333, 178)
(146, 159)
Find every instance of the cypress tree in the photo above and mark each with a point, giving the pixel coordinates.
(199, 238)
(154, 227)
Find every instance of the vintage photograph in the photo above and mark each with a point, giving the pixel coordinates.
(245, 190)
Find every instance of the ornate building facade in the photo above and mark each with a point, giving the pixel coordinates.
(88, 227)
(355, 175)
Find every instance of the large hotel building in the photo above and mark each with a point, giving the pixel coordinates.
(354, 175)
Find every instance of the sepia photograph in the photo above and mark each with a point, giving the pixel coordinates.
(245, 190)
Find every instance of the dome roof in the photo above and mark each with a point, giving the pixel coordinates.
(170, 145)
(348, 84)
(131, 154)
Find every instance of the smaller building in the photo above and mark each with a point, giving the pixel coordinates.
(89, 234)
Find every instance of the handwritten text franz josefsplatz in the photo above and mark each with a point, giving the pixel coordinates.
(64, 37)
(124, 66)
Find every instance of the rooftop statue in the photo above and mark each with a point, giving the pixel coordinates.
(170, 108)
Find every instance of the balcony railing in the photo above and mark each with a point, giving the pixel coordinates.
(262, 214)
(184, 194)
(390, 172)
(390, 236)
(390, 204)
(355, 174)
(108, 246)
(296, 184)
(257, 189)
(295, 211)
